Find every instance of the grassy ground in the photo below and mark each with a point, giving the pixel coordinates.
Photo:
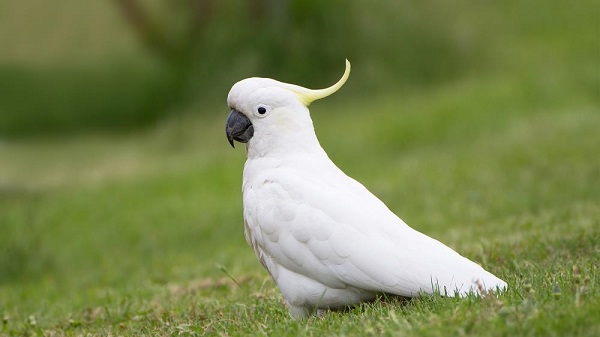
(142, 233)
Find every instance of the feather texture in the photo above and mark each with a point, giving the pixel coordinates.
(325, 239)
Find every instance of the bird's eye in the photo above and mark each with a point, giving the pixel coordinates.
(262, 110)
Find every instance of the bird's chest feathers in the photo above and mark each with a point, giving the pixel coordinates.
(273, 202)
(265, 198)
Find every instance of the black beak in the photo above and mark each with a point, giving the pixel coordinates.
(238, 127)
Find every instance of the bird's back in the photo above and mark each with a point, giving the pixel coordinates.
(308, 218)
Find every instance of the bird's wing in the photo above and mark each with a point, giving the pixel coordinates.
(333, 230)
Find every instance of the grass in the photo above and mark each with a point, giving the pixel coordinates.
(141, 234)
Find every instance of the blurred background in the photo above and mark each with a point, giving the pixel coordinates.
(115, 170)
(69, 67)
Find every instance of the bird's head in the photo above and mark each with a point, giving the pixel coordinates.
(269, 113)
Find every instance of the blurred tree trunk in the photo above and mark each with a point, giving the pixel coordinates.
(202, 39)
(145, 28)
(171, 47)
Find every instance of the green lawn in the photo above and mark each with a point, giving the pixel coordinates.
(142, 234)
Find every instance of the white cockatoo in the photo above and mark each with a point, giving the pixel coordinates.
(325, 239)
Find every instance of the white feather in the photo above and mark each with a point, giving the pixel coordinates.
(324, 238)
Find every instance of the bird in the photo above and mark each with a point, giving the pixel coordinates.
(326, 240)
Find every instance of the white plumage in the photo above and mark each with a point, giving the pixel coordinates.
(325, 239)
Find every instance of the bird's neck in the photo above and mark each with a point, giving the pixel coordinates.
(291, 143)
